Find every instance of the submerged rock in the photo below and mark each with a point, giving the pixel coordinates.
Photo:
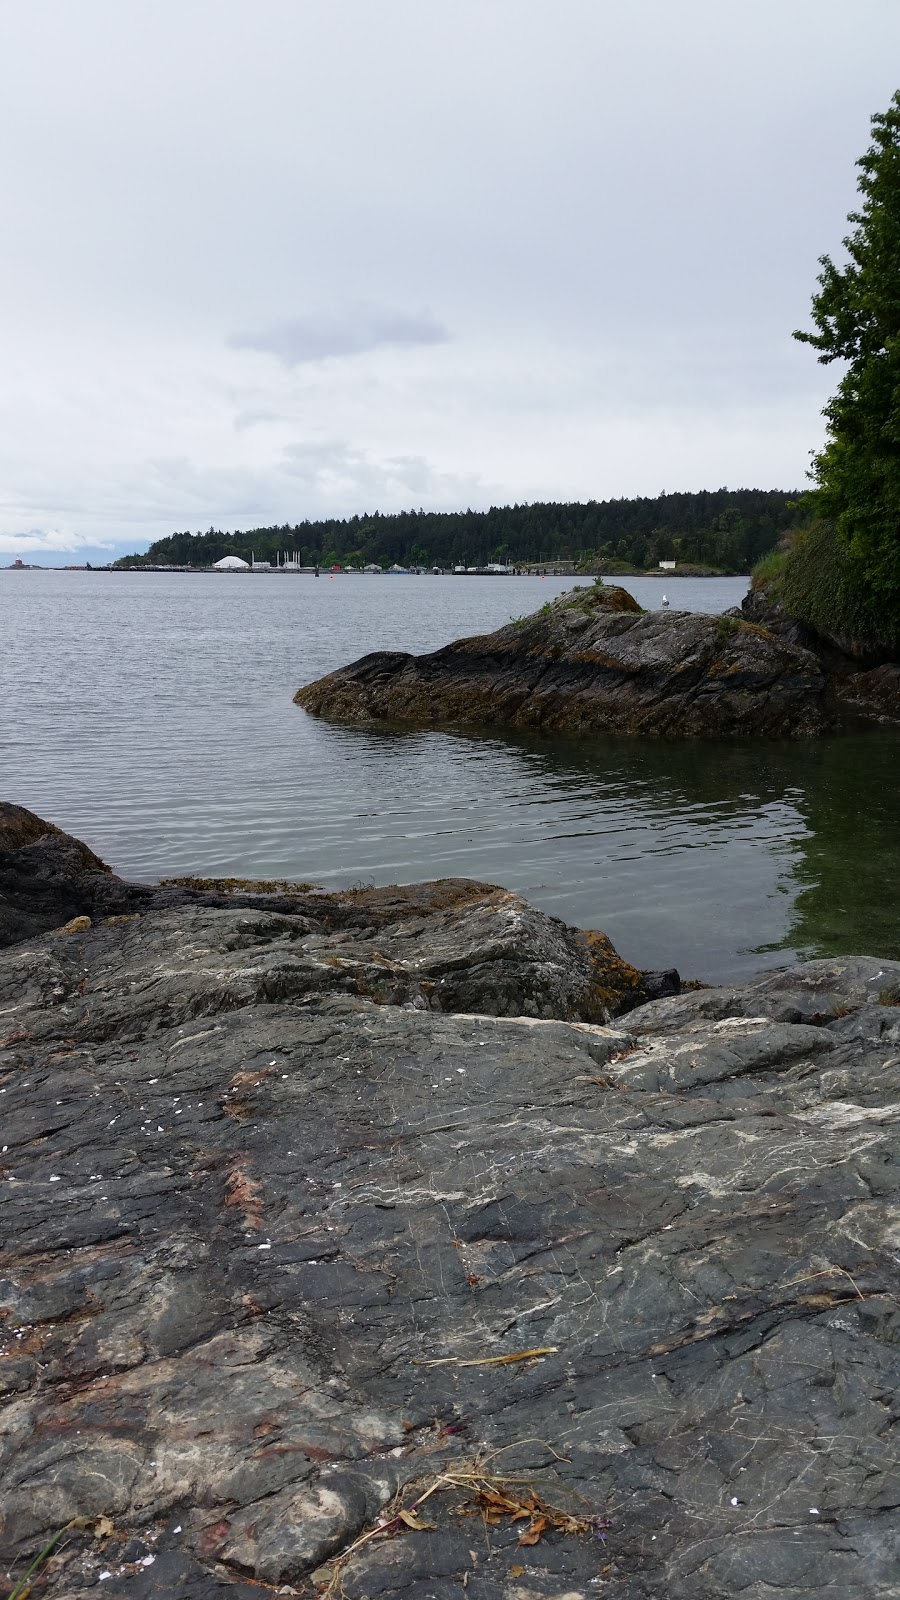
(591, 661)
(284, 1241)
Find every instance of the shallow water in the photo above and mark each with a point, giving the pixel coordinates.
(152, 715)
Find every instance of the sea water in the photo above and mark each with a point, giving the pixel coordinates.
(152, 715)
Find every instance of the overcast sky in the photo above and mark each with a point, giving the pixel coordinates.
(269, 259)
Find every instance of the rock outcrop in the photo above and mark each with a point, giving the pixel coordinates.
(588, 662)
(451, 945)
(317, 1215)
(875, 693)
(863, 676)
(47, 878)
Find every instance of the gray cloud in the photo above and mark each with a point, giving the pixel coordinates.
(335, 474)
(41, 541)
(351, 332)
(310, 478)
(253, 419)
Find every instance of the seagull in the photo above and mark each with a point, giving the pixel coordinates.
(665, 601)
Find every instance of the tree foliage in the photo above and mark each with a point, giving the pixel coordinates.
(817, 585)
(856, 313)
(725, 529)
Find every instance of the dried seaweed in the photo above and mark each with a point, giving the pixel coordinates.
(495, 1498)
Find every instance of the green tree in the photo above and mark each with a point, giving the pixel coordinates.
(856, 313)
(662, 546)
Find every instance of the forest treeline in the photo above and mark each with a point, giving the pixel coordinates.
(725, 529)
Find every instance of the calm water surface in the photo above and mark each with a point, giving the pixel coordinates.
(151, 715)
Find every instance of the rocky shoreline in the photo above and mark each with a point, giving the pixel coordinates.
(381, 1244)
(592, 661)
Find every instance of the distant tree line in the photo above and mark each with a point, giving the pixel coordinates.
(725, 529)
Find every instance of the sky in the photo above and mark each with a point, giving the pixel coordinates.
(274, 259)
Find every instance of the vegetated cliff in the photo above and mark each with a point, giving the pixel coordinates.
(592, 661)
(803, 596)
(321, 1276)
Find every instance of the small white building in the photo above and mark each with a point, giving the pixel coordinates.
(667, 566)
(231, 564)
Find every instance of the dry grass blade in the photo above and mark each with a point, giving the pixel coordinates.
(491, 1361)
(101, 1528)
(827, 1272)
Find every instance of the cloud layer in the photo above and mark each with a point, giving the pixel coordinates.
(33, 542)
(352, 332)
(613, 215)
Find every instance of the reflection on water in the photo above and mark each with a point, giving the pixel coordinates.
(153, 716)
(846, 881)
(732, 856)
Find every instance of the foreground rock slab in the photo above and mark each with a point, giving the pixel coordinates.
(450, 945)
(591, 661)
(281, 1255)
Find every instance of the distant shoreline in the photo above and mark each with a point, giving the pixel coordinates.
(352, 572)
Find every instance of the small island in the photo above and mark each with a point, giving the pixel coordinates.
(592, 661)
(818, 639)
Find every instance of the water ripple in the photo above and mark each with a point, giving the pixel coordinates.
(152, 716)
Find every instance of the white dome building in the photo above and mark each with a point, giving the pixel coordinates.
(231, 564)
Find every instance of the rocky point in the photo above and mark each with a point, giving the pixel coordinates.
(592, 661)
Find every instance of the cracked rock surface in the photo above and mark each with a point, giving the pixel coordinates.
(592, 661)
(268, 1225)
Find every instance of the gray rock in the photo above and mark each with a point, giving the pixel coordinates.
(47, 877)
(863, 674)
(267, 1232)
(592, 661)
(874, 694)
(451, 945)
